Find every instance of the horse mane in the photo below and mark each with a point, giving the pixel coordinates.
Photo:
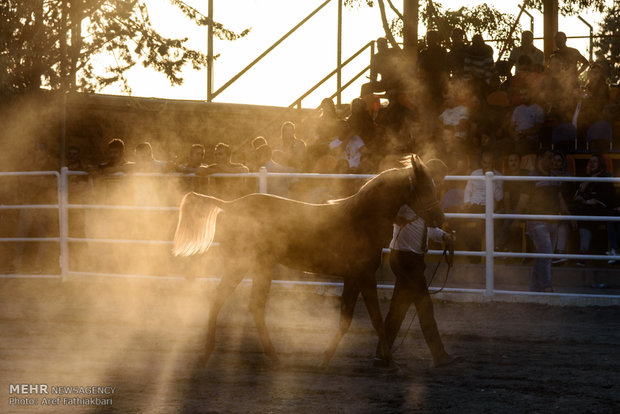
(196, 226)
(359, 201)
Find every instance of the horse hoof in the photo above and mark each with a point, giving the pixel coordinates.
(447, 360)
(387, 365)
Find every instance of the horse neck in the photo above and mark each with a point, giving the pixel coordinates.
(379, 202)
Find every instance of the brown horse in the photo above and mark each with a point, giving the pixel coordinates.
(343, 238)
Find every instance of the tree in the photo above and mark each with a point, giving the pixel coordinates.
(608, 45)
(54, 44)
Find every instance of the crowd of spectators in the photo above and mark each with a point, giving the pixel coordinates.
(456, 104)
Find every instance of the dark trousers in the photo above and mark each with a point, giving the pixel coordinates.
(410, 288)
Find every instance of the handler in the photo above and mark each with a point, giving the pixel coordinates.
(408, 246)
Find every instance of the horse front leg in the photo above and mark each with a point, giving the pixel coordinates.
(228, 283)
(350, 292)
(258, 302)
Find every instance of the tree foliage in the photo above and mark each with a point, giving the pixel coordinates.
(90, 44)
(608, 44)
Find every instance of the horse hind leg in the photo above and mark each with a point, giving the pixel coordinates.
(350, 292)
(228, 283)
(368, 286)
(258, 302)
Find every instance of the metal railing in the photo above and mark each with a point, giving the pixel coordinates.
(489, 217)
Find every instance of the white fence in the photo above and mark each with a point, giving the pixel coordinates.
(63, 206)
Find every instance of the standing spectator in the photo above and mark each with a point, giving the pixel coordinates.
(328, 126)
(559, 169)
(527, 48)
(479, 65)
(455, 59)
(593, 199)
(292, 150)
(558, 94)
(594, 99)
(432, 70)
(526, 123)
(510, 235)
(545, 198)
(571, 60)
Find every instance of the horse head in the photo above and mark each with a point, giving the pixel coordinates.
(422, 194)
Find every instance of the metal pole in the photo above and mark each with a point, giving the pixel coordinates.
(550, 18)
(591, 34)
(63, 221)
(489, 236)
(210, 53)
(531, 20)
(262, 180)
(339, 56)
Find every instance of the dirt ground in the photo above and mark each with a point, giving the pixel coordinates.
(140, 343)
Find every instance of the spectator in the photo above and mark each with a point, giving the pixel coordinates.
(145, 162)
(527, 48)
(276, 185)
(545, 198)
(526, 77)
(557, 94)
(432, 70)
(328, 126)
(613, 235)
(571, 60)
(292, 150)
(559, 169)
(525, 124)
(194, 161)
(455, 122)
(225, 187)
(455, 58)
(593, 199)
(116, 161)
(474, 199)
(510, 235)
(387, 63)
(594, 100)
(479, 65)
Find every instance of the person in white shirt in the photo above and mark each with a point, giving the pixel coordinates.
(475, 190)
(408, 247)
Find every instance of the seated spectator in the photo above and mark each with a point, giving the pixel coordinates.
(474, 199)
(276, 185)
(511, 232)
(116, 161)
(593, 199)
(145, 162)
(432, 70)
(225, 187)
(387, 63)
(455, 123)
(328, 126)
(194, 160)
(525, 124)
(526, 77)
(351, 153)
(291, 151)
(544, 198)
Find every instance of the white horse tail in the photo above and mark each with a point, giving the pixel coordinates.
(196, 226)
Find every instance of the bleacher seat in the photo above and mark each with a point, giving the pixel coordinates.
(600, 136)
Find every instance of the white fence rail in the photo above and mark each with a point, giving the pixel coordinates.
(489, 216)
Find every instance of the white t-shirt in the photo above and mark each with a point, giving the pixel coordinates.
(409, 237)
(352, 151)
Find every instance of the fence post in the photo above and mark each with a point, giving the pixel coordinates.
(63, 221)
(489, 234)
(262, 180)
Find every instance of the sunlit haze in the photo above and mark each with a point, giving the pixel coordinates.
(301, 60)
